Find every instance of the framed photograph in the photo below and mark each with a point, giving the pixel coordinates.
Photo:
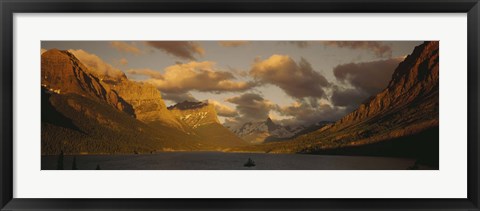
(262, 105)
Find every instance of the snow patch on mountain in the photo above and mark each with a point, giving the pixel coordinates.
(258, 132)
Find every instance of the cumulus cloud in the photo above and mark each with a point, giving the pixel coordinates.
(200, 76)
(179, 97)
(181, 49)
(223, 110)
(125, 47)
(362, 81)
(378, 48)
(233, 43)
(298, 80)
(146, 72)
(42, 50)
(96, 65)
(251, 107)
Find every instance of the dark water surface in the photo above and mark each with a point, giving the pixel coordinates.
(228, 161)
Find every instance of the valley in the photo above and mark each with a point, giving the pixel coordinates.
(90, 114)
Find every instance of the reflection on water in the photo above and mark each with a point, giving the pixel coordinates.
(227, 161)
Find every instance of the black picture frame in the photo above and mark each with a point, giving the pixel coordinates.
(10, 7)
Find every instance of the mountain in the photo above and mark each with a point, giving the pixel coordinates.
(413, 83)
(147, 103)
(63, 73)
(263, 131)
(300, 130)
(82, 113)
(407, 107)
(195, 114)
(202, 118)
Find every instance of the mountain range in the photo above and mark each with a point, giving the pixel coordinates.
(268, 131)
(84, 112)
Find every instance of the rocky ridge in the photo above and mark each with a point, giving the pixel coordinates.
(415, 78)
(62, 72)
(195, 114)
(202, 118)
(147, 103)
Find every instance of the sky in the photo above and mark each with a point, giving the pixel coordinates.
(292, 82)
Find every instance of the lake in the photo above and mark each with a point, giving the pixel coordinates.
(228, 161)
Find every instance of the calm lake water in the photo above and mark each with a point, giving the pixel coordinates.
(228, 161)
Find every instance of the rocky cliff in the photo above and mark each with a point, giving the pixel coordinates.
(147, 103)
(415, 79)
(63, 73)
(195, 114)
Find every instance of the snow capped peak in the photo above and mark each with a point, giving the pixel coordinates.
(258, 131)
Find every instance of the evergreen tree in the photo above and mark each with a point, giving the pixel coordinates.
(60, 161)
(74, 164)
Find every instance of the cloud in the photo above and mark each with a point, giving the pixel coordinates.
(348, 97)
(300, 44)
(200, 76)
(178, 98)
(233, 43)
(369, 76)
(238, 72)
(251, 107)
(123, 61)
(298, 80)
(181, 49)
(361, 80)
(96, 65)
(303, 113)
(378, 48)
(146, 72)
(223, 110)
(42, 50)
(125, 47)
